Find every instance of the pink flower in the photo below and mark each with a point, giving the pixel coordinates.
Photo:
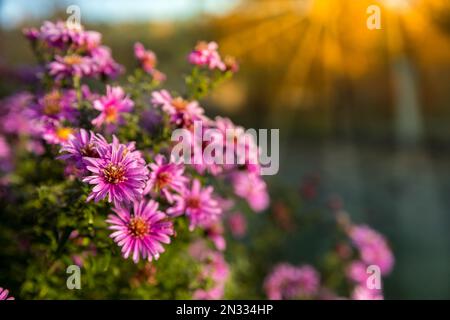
(57, 104)
(166, 178)
(82, 144)
(252, 188)
(182, 113)
(4, 294)
(55, 133)
(103, 63)
(364, 293)
(357, 271)
(372, 247)
(111, 106)
(119, 173)
(198, 205)
(205, 54)
(237, 224)
(70, 66)
(142, 233)
(148, 61)
(290, 282)
(214, 270)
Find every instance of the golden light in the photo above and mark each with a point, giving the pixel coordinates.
(312, 47)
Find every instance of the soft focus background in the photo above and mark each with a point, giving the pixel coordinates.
(364, 114)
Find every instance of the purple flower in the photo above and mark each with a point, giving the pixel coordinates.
(54, 132)
(205, 55)
(142, 233)
(4, 294)
(111, 106)
(198, 205)
(103, 63)
(82, 144)
(372, 247)
(290, 282)
(70, 66)
(119, 173)
(57, 104)
(166, 178)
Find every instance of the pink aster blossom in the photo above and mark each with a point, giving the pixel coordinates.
(103, 64)
(148, 61)
(214, 269)
(4, 294)
(252, 188)
(82, 144)
(142, 233)
(166, 178)
(198, 204)
(237, 224)
(290, 282)
(56, 104)
(111, 106)
(364, 293)
(205, 55)
(372, 247)
(119, 173)
(54, 132)
(70, 66)
(357, 272)
(183, 113)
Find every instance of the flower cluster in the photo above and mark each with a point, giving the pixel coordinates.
(131, 174)
(214, 270)
(73, 51)
(373, 250)
(291, 282)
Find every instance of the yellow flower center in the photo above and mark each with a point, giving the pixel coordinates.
(114, 173)
(73, 59)
(63, 133)
(180, 104)
(138, 227)
(111, 114)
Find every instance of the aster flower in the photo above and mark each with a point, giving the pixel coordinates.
(4, 294)
(103, 63)
(54, 132)
(372, 247)
(252, 188)
(214, 269)
(291, 282)
(237, 224)
(166, 178)
(57, 104)
(82, 144)
(111, 106)
(72, 65)
(142, 233)
(364, 293)
(198, 205)
(119, 173)
(148, 61)
(205, 55)
(183, 113)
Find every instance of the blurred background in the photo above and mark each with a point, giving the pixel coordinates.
(365, 112)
